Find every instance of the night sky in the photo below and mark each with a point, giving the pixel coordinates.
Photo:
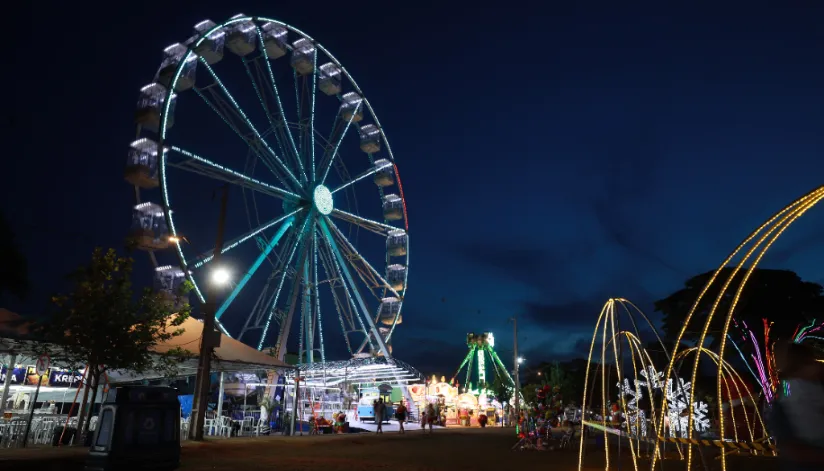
(551, 157)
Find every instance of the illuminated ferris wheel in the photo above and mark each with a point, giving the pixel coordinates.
(283, 123)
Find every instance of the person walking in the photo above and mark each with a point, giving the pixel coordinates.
(400, 414)
(797, 418)
(380, 413)
(431, 416)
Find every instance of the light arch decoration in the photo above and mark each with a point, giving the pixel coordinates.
(753, 247)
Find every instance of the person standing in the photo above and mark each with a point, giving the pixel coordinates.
(380, 412)
(797, 418)
(400, 414)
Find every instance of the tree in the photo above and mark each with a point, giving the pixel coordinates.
(102, 325)
(501, 389)
(778, 295)
(13, 266)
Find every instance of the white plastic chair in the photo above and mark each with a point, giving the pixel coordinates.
(224, 427)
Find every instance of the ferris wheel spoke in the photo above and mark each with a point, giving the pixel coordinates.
(230, 117)
(353, 254)
(332, 152)
(292, 302)
(368, 224)
(352, 310)
(342, 308)
(373, 330)
(252, 269)
(279, 102)
(318, 317)
(207, 257)
(275, 125)
(375, 169)
(273, 311)
(206, 167)
(251, 126)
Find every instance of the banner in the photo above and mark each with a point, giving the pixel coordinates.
(18, 374)
(64, 378)
(31, 377)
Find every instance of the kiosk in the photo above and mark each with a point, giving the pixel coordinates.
(139, 427)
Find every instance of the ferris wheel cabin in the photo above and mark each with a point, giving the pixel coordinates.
(211, 48)
(350, 107)
(150, 107)
(330, 79)
(303, 56)
(274, 40)
(141, 164)
(384, 175)
(392, 207)
(241, 38)
(390, 307)
(172, 56)
(370, 139)
(396, 243)
(396, 276)
(149, 230)
(168, 280)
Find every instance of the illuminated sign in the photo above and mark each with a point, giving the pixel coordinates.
(64, 379)
(18, 374)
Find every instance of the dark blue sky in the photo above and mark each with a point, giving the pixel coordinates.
(552, 157)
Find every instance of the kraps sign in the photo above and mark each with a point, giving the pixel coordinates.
(64, 379)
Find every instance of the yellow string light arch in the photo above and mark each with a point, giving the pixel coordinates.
(764, 236)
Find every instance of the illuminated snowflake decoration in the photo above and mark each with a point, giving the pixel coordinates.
(323, 200)
(678, 399)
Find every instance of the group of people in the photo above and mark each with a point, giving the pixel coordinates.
(430, 415)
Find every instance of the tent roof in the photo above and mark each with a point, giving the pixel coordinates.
(231, 355)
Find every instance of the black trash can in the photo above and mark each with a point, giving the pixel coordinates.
(138, 428)
(67, 437)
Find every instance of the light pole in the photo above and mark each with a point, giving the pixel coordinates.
(211, 337)
(517, 361)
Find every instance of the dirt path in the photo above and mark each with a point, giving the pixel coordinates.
(451, 449)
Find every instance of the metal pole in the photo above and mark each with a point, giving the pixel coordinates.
(295, 409)
(220, 397)
(210, 336)
(31, 412)
(7, 382)
(517, 397)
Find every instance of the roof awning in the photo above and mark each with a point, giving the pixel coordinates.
(231, 355)
(361, 371)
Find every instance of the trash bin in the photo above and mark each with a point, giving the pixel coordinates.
(67, 437)
(138, 428)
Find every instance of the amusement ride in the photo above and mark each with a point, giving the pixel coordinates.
(257, 105)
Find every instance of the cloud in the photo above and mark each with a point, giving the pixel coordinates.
(569, 315)
(532, 266)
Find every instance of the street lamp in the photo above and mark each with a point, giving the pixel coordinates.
(221, 276)
(520, 360)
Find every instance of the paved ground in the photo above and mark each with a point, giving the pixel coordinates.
(448, 449)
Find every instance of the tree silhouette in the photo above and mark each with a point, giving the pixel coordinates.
(13, 267)
(777, 295)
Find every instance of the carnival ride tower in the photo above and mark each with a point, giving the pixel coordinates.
(477, 361)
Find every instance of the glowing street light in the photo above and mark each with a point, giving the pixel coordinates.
(221, 276)
(520, 360)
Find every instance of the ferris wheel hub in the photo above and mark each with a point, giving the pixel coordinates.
(322, 198)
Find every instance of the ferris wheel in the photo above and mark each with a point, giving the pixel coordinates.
(258, 105)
